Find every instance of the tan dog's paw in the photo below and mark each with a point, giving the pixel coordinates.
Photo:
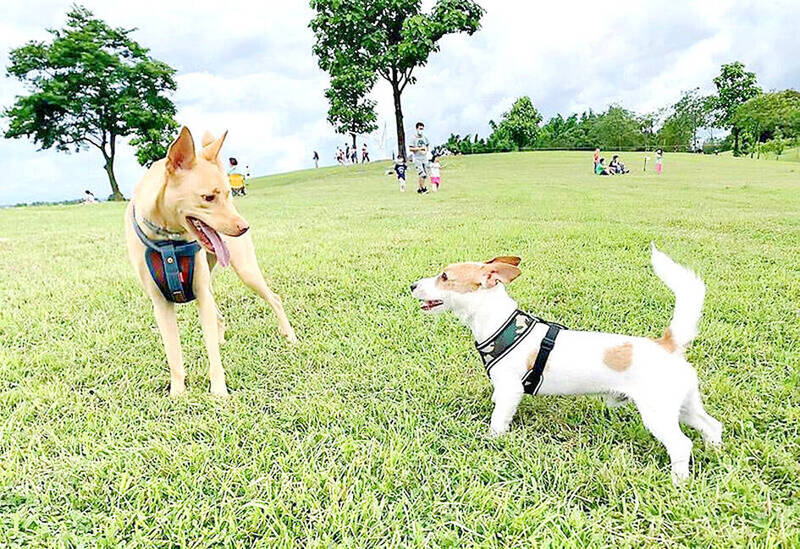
(291, 338)
(219, 391)
(176, 388)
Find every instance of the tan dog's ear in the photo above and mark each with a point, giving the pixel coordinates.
(509, 259)
(181, 153)
(211, 149)
(499, 272)
(208, 138)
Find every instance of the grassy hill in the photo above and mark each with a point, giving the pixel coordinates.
(372, 430)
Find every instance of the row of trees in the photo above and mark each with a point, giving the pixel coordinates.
(756, 122)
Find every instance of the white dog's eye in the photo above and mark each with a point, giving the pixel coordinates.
(443, 276)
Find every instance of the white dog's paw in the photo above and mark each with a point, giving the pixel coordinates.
(495, 432)
(680, 473)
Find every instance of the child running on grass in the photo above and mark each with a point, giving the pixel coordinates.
(400, 170)
(435, 167)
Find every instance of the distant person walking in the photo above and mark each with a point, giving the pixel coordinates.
(659, 161)
(316, 159)
(419, 148)
(364, 154)
(436, 168)
(347, 153)
(400, 170)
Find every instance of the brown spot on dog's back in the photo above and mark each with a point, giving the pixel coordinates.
(667, 341)
(619, 358)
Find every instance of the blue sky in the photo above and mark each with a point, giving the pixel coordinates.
(247, 67)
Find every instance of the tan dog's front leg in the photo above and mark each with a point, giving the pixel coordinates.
(208, 320)
(244, 262)
(168, 326)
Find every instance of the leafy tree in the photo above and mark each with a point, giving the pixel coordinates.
(350, 111)
(388, 38)
(690, 113)
(617, 128)
(88, 86)
(734, 86)
(519, 125)
(769, 114)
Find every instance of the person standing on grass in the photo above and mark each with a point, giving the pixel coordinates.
(364, 154)
(659, 160)
(419, 148)
(316, 159)
(400, 170)
(435, 173)
(596, 158)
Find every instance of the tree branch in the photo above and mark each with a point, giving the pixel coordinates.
(406, 78)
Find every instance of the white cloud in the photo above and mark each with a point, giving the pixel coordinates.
(248, 67)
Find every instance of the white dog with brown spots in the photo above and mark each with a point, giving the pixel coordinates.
(653, 373)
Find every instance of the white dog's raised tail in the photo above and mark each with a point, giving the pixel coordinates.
(689, 293)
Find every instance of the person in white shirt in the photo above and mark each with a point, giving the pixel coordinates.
(435, 169)
(419, 148)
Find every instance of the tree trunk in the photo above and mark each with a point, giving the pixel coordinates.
(109, 168)
(398, 117)
(354, 140)
(735, 141)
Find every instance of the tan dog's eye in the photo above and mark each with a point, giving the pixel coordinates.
(209, 197)
(443, 276)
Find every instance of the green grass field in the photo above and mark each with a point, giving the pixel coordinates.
(372, 431)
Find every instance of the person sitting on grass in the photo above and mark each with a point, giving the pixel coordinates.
(616, 166)
(600, 168)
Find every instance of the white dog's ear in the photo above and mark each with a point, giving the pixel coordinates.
(499, 272)
(510, 259)
(181, 153)
(212, 148)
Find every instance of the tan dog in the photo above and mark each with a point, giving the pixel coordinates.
(186, 197)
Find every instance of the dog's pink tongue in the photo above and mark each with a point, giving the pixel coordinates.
(220, 249)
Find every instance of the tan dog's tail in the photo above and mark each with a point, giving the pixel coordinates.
(689, 293)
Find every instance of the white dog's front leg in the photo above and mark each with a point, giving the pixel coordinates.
(506, 398)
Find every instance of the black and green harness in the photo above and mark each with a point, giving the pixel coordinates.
(510, 334)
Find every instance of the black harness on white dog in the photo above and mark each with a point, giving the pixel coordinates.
(514, 330)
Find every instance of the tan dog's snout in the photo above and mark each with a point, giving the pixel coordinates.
(240, 227)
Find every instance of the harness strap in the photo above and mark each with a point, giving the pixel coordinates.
(533, 378)
(505, 339)
(178, 285)
(172, 273)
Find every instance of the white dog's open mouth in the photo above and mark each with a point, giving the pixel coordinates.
(429, 305)
(210, 240)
